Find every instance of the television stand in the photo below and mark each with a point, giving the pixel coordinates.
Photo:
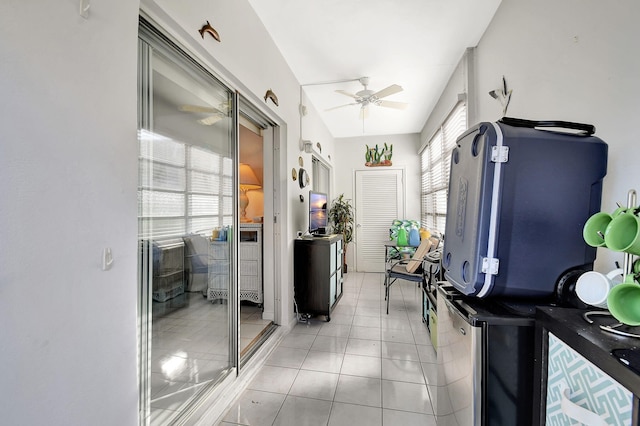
(317, 264)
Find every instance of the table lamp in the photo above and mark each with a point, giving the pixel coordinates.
(248, 181)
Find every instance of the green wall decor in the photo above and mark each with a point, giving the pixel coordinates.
(375, 157)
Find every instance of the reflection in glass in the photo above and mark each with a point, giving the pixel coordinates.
(185, 199)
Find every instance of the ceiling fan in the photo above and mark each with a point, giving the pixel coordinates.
(213, 115)
(367, 97)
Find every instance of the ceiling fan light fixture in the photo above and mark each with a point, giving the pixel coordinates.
(366, 97)
(209, 121)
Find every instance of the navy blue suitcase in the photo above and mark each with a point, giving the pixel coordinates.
(519, 194)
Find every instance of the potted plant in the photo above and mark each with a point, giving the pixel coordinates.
(342, 220)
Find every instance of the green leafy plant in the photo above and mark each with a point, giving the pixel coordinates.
(342, 220)
(387, 152)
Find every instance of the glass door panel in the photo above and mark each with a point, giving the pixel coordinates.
(186, 200)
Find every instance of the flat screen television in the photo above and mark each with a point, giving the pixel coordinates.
(318, 213)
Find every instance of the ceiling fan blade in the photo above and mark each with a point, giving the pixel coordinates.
(344, 92)
(364, 112)
(391, 104)
(388, 91)
(341, 106)
(197, 108)
(211, 120)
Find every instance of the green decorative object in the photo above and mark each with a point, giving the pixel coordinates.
(398, 232)
(377, 156)
(341, 216)
(388, 152)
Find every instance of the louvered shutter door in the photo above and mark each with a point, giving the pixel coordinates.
(379, 200)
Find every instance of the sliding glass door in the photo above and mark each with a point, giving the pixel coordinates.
(187, 216)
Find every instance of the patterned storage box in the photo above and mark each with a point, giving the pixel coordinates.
(578, 389)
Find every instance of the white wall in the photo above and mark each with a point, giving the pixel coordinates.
(68, 179)
(68, 176)
(351, 157)
(573, 60)
(315, 131)
(458, 84)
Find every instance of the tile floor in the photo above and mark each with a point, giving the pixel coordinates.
(363, 368)
(190, 349)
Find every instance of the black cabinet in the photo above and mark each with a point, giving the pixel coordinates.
(317, 274)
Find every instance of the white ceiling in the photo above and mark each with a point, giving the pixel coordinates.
(413, 43)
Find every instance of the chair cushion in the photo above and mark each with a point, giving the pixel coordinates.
(421, 251)
(196, 244)
(407, 225)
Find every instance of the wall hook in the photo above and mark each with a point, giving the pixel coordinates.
(209, 29)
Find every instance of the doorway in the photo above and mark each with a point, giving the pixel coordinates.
(379, 198)
(256, 305)
(192, 250)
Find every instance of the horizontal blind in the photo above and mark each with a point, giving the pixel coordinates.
(183, 188)
(435, 166)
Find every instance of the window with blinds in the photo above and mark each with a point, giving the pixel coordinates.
(435, 167)
(187, 189)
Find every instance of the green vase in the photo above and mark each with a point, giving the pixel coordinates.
(402, 237)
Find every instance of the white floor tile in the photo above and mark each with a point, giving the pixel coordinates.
(341, 319)
(402, 371)
(297, 411)
(255, 408)
(404, 418)
(404, 351)
(350, 415)
(330, 344)
(344, 309)
(274, 379)
(430, 370)
(398, 336)
(329, 362)
(333, 329)
(287, 357)
(427, 353)
(311, 327)
(406, 397)
(369, 303)
(366, 311)
(421, 335)
(369, 333)
(364, 321)
(364, 347)
(364, 366)
(395, 323)
(298, 341)
(315, 384)
(359, 390)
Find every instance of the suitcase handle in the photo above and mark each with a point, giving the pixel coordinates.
(588, 129)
